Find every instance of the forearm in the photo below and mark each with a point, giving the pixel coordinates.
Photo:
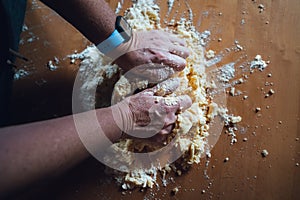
(94, 18)
(45, 149)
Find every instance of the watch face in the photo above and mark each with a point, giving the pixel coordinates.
(124, 28)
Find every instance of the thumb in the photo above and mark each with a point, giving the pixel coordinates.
(174, 61)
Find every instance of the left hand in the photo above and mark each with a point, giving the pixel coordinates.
(149, 112)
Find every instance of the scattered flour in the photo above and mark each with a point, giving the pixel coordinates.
(94, 68)
(119, 7)
(51, 66)
(264, 153)
(170, 6)
(21, 73)
(258, 63)
(227, 72)
(210, 54)
(32, 37)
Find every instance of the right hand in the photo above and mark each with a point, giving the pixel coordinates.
(148, 113)
(153, 53)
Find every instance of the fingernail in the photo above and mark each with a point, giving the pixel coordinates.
(185, 102)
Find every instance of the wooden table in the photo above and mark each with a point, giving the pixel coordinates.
(274, 33)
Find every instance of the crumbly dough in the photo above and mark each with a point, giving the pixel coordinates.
(192, 125)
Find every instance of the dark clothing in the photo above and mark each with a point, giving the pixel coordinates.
(12, 14)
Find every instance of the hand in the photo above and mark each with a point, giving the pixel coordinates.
(149, 113)
(154, 46)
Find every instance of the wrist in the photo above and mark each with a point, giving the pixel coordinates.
(109, 123)
(122, 116)
(121, 34)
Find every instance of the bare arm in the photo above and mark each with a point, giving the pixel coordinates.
(45, 149)
(40, 150)
(95, 19)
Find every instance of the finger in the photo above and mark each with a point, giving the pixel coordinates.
(153, 72)
(133, 58)
(163, 134)
(151, 39)
(157, 39)
(181, 51)
(166, 87)
(170, 119)
(175, 39)
(159, 138)
(166, 130)
(176, 62)
(177, 46)
(175, 104)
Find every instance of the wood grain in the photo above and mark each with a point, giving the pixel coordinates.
(247, 175)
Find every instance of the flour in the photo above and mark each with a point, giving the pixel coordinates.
(204, 37)
(24, 28)
(94, 68)
(32, 37)
(261, 7)
(170, 6)
(264, 153)
(51, 66)
(21, 73)
(119, 7)
(191, 16)
(258, 63)
(210, 54)
(143, 15)
(227, 72)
